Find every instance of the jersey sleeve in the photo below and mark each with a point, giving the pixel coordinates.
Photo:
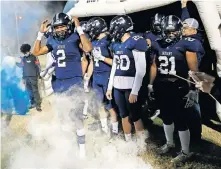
(146, 35)
(185, 14)
(139, 43)
(111, 47)
(192, 45)
(140, 64)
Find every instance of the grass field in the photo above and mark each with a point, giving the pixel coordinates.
(207, 153)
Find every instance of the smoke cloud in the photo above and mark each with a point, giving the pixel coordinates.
(51, 142)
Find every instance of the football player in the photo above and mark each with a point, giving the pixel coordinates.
(102, 61)
(128, 70)
(65, 46)
(156, 31)
(152, 35)
(174, 57)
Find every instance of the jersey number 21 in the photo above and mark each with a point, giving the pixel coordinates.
(164, 65)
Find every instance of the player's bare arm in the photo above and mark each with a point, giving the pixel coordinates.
(183, 3)
(38, 49)
(153, 72)
(148, 42)
(108, 61)
(90, 68)
(191, 58)
(84, 63)
(85, 44)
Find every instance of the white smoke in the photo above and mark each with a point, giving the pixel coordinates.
(52, 141)
(20, 22)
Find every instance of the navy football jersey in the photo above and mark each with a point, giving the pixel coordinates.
(123, 54)
(172, 59)
(103, 45)
(67, 56)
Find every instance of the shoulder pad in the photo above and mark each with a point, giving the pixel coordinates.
(137, 37)
(189, 39)
(139, 43)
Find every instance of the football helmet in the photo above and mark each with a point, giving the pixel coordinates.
(157, 23)
(171, 29)
(83, 25)
(61, 19)
(96, 26)
(120, 25)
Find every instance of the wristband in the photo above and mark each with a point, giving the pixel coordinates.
(80, 30)
(102, 58)
(40, 35)
(150, 86)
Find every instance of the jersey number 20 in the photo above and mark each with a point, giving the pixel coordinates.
(121, 60)
(61, 58)
(164, 64)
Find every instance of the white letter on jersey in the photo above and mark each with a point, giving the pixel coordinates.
(61, 62)
(164, 66)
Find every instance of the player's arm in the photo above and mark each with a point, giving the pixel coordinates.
(185, 13)
(111, 80)
(90, 68)
(84, 63)
(192, 62)
(153, 71)
(140, 64)
(38, 49)
(148, 43)
(85, 44)
(109, 61)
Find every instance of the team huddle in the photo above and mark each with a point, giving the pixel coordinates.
(124, 68)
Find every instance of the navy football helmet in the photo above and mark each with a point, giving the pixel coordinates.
(171, 29)
(61, 19)
(157, 23)
(120, 25)
(96, 26)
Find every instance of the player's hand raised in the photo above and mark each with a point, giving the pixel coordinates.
(109, 94)
(183, 3)
(76, 21)
(44, 26)
(132, 98)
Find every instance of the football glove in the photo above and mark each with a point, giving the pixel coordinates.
(150, 92)
(191, 98)
(97, 54)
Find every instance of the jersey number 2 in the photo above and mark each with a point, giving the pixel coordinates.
(61, 58)
(164, 66)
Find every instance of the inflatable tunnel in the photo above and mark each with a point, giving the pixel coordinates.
(206, 9)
